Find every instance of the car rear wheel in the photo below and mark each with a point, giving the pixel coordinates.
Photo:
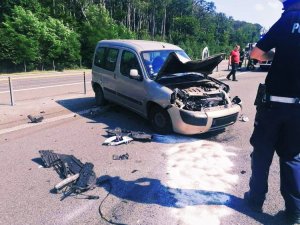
(99, 96)
(160, 120)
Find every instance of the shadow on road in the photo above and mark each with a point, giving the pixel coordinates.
(77, 104)
(152, 191)
(111, 115)
(117, 116)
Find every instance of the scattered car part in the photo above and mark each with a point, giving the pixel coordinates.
(244, 118)
(135, 135)
(77, 176)
(117, 140)
(66, 182)
(35, 119)
(121, 157)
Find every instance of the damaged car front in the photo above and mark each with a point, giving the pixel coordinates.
(197, 103)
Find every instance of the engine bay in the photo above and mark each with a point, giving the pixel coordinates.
(198, 97)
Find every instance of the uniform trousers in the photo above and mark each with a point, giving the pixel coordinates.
(277, 128)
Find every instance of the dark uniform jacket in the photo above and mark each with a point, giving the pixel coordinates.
(283, 78)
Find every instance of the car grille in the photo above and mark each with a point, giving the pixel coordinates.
(224, 121)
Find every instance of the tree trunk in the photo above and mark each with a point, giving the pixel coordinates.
(164, 24)
(128, 23)
(153, 25)
(134, 29)
(53, 65)
(53, 1)
(25, 67)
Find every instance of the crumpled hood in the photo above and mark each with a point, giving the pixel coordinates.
(174, 64)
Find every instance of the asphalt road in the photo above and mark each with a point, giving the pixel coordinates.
(175, 179)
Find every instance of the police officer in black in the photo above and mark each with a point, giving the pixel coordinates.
(277, 121)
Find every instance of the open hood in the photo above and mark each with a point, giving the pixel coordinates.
(174, 64)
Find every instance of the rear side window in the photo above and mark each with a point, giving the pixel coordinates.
(106, 58)
(99, 57)
(128, 62)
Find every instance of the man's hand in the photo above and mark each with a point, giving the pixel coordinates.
(260, 55)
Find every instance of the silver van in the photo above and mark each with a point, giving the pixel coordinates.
(161, 83)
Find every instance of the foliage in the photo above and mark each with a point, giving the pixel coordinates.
(56, 34)
(100, 26)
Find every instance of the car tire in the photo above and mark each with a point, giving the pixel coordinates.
(160, 120)
(99, 96)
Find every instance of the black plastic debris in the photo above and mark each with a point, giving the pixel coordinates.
(78, 177)
(35, 119)
(121, 157)
(135, 135)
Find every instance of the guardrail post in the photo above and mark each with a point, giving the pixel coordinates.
(84, 83)
(11, 92)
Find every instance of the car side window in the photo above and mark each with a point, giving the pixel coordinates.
(111, 59)
(106, 58)
(128, 62)
(99, 57)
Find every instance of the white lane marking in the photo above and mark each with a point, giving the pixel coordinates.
(54, 119)
(28, 89)
(76, 212)
(200, 177)
(33, 76)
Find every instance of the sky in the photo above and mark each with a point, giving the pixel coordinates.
(263, 12)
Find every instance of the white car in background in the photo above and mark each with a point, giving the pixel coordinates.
(161, 83)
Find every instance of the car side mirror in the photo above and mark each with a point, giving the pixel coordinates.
(134, 74)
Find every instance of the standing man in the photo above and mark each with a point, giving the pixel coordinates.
(234, 60)
(242, 57)
(277, 121)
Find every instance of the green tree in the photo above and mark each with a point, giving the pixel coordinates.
(100, 26)
(59, 44)
(22, 30)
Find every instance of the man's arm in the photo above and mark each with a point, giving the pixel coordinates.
(259, 54)
(229, 59)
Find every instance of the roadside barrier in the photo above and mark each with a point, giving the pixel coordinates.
(11, 89)
(84, 83)
(12, 103)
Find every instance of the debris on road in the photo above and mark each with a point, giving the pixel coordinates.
(121, 157)
(117, 140)
(78, 177)
(135, 135)
(35, 119)
(243, 118)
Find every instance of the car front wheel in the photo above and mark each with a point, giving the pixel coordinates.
(160, 120)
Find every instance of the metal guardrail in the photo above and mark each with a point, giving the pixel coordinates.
(11, 90)
(12, 103)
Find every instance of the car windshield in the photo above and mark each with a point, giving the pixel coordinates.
(153, 60)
